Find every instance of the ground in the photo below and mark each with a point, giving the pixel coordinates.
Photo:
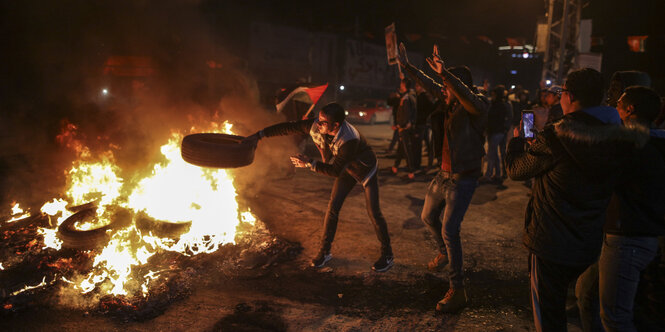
(347, 295)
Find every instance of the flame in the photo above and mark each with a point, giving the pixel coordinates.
(27, 288)
(175, 191)
(17, 213)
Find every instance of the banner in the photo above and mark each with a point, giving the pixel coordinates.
(391, 44)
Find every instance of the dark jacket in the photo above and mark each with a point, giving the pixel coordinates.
(424, 107)
(575, 164)
(465, 128)
(348, 151)
(407, 112)
(499, 116)
(637, 207)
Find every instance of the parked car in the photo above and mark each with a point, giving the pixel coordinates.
(369, 111)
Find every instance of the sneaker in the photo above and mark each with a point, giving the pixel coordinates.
(321, 259)
(383, 264)
(438, 262)
(454, 301)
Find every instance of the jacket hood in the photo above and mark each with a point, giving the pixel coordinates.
(596, 142)
(606, 114)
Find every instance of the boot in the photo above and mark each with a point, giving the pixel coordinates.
(438, 262)
(454, 301)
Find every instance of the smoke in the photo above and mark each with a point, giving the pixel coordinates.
(57, 68)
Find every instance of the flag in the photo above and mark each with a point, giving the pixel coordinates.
(314, 94)
(637, 43)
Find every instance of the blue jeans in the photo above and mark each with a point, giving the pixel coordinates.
(493, 161)
(451, 195)
(611, 287)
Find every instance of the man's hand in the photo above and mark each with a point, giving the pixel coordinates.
(300, 161)
(435, 62)
(402, 58)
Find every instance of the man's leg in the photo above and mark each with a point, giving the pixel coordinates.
(621, 261)
(586, 291)
(431, 215)
(493, 167)
(502, 154)
(458, 197)
(393, 141)
(406, 139)
(343, 185)
(549, 287)
(380, 226)
(417, 147)
(400, 154)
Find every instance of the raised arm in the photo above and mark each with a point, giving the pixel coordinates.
(434, 88)
(472, 102)
(523, 164)
(288, 128)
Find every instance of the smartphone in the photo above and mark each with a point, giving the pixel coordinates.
(527, 124)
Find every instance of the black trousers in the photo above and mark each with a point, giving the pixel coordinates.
(422, 136)
(549, 288)
(340, 190)
(406, 149)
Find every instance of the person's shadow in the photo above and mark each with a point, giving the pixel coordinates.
(416, 206)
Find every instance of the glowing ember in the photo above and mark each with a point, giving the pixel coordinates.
(174, 192)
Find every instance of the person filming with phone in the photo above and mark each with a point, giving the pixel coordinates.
(575, 163)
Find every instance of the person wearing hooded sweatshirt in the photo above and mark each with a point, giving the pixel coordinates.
(575, 163)
(348, 158)
(450, 192)
(635, 219)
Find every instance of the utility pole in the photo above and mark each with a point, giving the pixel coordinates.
(563, 26)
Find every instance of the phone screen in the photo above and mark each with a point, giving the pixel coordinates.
(527, 124)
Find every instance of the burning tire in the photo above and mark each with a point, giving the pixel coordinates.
(89, 239)
(217, 150)
(160, 228)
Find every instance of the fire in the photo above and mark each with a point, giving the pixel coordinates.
(17, 213)
(174, 192)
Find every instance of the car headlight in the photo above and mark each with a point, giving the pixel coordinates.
(361, 113)
(346, 112)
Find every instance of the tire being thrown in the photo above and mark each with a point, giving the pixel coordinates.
(89, 239)
(217, 150)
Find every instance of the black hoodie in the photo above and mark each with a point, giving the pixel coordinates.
(576, 163)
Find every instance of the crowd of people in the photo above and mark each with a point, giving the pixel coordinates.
(596, 168)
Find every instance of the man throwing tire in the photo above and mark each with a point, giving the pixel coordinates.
(347, 157)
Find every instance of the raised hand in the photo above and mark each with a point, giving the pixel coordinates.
(435, 62)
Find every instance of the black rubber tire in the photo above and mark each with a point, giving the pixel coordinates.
(161, 228)
(77, 208)
(217, 150)
(89, 239)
